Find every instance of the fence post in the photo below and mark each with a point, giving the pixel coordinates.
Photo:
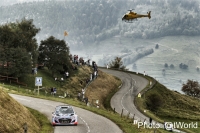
(133, 118)
(122, 113)
(25, 127)
(128, 115)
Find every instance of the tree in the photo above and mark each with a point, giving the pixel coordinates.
(157, 46)
(183, 66)
(171, 66)
(54, 53)
(18, 48)
(117, 63)
(191, 88)
(154, 101)
(166, 65)
(197, 69)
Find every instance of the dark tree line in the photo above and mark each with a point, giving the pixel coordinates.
(18, 48)
(183, 66)
(19, 51)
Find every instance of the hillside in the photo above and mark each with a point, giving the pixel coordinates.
(101, 89)
(14, 115)
(167, 105)
(93, 21)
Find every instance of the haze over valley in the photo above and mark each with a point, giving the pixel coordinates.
(96, 31)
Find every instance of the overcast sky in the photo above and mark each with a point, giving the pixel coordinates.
(10, 2)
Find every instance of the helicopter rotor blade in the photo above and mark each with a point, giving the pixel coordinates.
(131, 10)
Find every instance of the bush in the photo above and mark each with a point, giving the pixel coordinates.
(166, 65)
(157, 46)
(154, 101)
(171, 66)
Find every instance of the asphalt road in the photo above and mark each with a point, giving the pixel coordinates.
(88, 122)
(124, 98)
(132, 84)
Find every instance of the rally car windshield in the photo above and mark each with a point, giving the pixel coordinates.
(66, 110)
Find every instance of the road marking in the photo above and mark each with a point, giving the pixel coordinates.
(86, 124)
(126, 94)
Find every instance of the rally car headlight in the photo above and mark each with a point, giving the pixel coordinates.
(72, 117)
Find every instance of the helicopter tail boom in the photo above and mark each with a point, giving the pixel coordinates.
(149, 14)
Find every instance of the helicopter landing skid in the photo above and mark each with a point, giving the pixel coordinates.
(130, 21)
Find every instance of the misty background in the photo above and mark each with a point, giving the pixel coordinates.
(166, 47)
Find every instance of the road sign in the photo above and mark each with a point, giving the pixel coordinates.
(139, 95)
(38, 81)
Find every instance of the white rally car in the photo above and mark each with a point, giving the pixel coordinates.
(64, 115)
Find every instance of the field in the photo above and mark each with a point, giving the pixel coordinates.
(172, 50)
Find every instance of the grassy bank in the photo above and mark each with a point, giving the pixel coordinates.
(14, 116)
(105, 84)
(172, 107)
(45, 124)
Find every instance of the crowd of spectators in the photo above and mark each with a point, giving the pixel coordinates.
(75, 63)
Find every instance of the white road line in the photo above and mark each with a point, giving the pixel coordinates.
(125, 95)
(123, 98)
(86, 124)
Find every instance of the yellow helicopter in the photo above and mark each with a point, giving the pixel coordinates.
(130, 16)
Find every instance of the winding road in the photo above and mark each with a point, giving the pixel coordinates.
(132, 84)
(88, 122)
(124, 98)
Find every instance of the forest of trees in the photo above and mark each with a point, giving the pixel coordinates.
(19, 51)
(18, 48)
(93, 21)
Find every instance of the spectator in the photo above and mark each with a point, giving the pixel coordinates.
(86, 100)
(150, 121)
(67, 74)
(81, 82)
(79, 96)
(54, 91)
(88, 62)
(95, 74)
(83, 92)
(90, 76)
(87, 80)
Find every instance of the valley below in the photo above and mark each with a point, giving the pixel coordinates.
(172, 50)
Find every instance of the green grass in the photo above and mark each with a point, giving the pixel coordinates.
(125, 124)
(45, 124)
(176, 107)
